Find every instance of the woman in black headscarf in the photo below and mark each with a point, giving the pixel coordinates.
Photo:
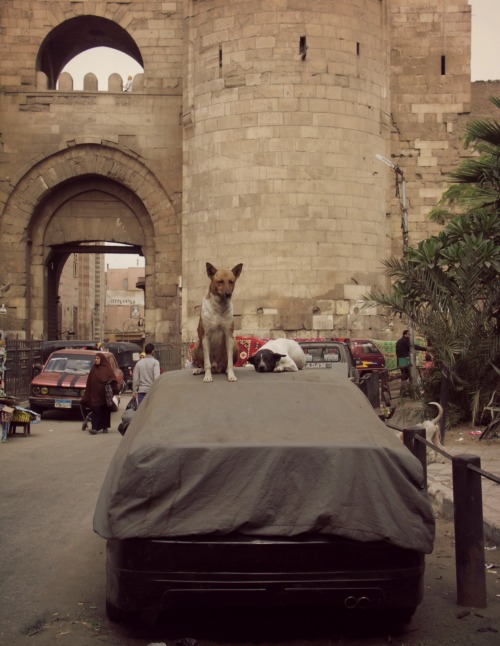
(95, 393)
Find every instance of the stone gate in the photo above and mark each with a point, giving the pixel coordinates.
(251, 137)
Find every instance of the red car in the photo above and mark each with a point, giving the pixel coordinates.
(62, 381)
(368, 356)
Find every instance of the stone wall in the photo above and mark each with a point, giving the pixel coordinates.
(251, 137)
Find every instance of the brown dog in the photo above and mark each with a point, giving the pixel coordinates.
(216, 350)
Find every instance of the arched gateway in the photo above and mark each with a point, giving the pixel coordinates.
(74, 200)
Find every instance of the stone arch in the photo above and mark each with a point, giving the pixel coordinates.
(77, 35)
(39, 220)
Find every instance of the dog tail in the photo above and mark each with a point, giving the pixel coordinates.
(440, 411)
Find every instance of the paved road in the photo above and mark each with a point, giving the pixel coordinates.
(49, 485)
(52, 565)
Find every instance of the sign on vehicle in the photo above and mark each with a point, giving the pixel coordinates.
(62, 403)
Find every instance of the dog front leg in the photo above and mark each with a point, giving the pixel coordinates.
(229, 349)
(206, 360)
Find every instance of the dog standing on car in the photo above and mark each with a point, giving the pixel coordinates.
(279, 355)
(432, 435)
(216, 350)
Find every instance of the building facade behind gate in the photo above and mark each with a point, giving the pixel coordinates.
(251, 137)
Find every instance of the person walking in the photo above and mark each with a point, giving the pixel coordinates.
(403, 354)
(146, 371)
(100, 374)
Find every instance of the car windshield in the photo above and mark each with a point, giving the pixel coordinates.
(71, 364)
(365, 348)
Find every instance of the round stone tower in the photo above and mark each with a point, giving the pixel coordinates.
(285, 108)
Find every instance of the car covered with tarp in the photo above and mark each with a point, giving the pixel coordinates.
(282, 488)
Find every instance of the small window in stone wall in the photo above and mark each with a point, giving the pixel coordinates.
(303, 48)
(443, 65)
(358, 49)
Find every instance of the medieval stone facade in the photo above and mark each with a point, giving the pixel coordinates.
(251, 137)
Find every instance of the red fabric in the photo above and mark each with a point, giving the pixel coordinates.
(247, 347)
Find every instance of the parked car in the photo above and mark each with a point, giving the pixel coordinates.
(369, 357)
(126, 355)
(332, 355)
(286, 490)
(62, 381)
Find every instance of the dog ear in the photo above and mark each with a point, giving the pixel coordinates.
(237, 270)
(278, 356)
(251, 360)
(211, 270)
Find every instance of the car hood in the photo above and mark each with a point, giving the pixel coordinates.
(275, 454)
(60, 379)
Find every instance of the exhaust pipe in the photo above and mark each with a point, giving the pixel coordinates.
(357, 602)
(350, 602)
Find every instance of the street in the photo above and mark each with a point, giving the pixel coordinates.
(53, 566)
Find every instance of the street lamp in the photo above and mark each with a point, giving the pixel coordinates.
(404, 229)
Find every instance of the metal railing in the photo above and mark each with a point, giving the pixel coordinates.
(21, 356)
(172, 356)
(467, 514)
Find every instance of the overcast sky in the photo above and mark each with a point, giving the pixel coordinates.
(485, 65)
(485, 55)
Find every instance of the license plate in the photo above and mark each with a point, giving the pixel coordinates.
(318, 364)
(62, 403)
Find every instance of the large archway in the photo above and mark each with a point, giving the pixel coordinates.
(56, 207)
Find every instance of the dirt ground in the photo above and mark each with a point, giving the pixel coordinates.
(439, 621)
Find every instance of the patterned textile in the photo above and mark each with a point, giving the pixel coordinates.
(247, 347)
(388, 349)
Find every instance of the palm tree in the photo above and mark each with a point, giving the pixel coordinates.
(449, 284)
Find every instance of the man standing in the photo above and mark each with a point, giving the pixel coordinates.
(403, 354)
(146, 370)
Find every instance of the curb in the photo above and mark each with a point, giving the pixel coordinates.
(442, 504)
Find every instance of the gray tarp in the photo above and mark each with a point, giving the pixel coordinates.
(275, 454)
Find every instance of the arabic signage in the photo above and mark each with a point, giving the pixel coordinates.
(125, 297)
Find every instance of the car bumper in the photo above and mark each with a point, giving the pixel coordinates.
(50, 403)
(145, 576)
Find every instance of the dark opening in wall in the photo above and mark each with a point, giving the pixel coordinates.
(443, 65)
(358, 49)
(303, 48)
(220, 55)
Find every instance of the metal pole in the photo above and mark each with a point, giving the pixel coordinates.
(469, 536)
(404, 228)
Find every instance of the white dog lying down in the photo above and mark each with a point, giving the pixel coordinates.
(279, 355)
(433, 435)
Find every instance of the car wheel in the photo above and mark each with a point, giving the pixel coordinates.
(402, 615)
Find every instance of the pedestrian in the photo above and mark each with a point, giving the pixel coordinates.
(128, 85)
(403, 354)
(146, 371)
(95, 398)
